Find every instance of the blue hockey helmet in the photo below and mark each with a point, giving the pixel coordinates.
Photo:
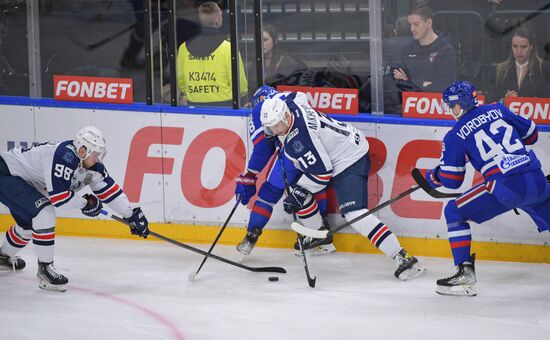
(461, 92)
(262, 94)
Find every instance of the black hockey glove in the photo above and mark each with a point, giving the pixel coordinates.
(296, 200)
(138, 223)
(93, 206)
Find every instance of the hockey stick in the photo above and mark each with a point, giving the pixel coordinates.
(202, 252)
(421, 181)
(310, 280)
(193, 275)
(297, 227)
(93, 46)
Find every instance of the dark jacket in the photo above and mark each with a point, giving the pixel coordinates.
(536, 84)
(435, 63)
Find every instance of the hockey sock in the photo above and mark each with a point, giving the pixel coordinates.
(377, 232)
(310, 216)
(43, 236)
(460, 238)
(260, 214)
(321, 198)
(16, 239)
(43, 241)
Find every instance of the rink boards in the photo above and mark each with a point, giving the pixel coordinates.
(180, 167)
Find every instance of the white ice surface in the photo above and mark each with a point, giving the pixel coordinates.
(122, 289)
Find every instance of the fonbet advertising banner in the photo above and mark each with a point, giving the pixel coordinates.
(181, 168)
(93, 89)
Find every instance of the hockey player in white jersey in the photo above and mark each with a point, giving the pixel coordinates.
(332, 153)
(35, 180)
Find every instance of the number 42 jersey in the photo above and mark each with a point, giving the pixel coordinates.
(493, 139)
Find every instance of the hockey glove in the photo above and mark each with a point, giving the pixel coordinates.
(93, 206)
(297, 200)
(138, 223)
(246, 187)
(432, 177)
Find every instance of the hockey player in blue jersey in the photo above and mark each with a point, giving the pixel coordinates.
(272, 189)
(493, 140)
(35, 180)
(329, 152)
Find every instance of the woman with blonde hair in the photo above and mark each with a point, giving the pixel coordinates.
(524, 73)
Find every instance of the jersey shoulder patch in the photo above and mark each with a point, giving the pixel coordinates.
(66, 154)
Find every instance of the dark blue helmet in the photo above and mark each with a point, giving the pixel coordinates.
(262, 94)
(461, 92)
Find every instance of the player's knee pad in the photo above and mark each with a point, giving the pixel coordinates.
(45, 220)
(270, 193)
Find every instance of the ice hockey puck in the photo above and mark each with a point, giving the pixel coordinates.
(273, 278)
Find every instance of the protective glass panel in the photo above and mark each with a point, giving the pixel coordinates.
(426, 49)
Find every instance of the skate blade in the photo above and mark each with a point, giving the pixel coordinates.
(54, 288)
(460, 290)
(241, 257)
(411, 274)
(320, 250)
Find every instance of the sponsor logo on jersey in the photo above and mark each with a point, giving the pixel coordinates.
(42, 201)
(509, 162)
(329, 100)
(292, 134)
(536, 109)
(427, 105)
(93, 89)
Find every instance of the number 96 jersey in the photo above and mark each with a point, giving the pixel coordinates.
(493, 139)
(54, 170)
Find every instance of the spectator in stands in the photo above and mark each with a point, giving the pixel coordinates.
(429, 64)
(524, 73)
(204, 62)
(277, 62)
(392, 54)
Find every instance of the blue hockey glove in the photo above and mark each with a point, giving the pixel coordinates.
(246, 187)
(93, 206)
(138, 223)
(432, 177)
(296, 200)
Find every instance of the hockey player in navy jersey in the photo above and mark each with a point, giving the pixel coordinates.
(35, 180)
(329, 152)
(272, 189)
(493, 140)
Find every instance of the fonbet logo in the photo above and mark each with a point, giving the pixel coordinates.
(328, 100)
(536, 109)
(93, 89)
(426, 105)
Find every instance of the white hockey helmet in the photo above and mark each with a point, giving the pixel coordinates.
(92, 139)
(273, 112)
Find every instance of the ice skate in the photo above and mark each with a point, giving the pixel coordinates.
(50, 279)
(407, 266)
(248, 243)
(316, 246)
(13, 263)
(462, 283)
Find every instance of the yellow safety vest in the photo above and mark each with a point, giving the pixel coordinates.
(208, 79)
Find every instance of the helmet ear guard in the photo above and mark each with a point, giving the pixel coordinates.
(92, 140)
